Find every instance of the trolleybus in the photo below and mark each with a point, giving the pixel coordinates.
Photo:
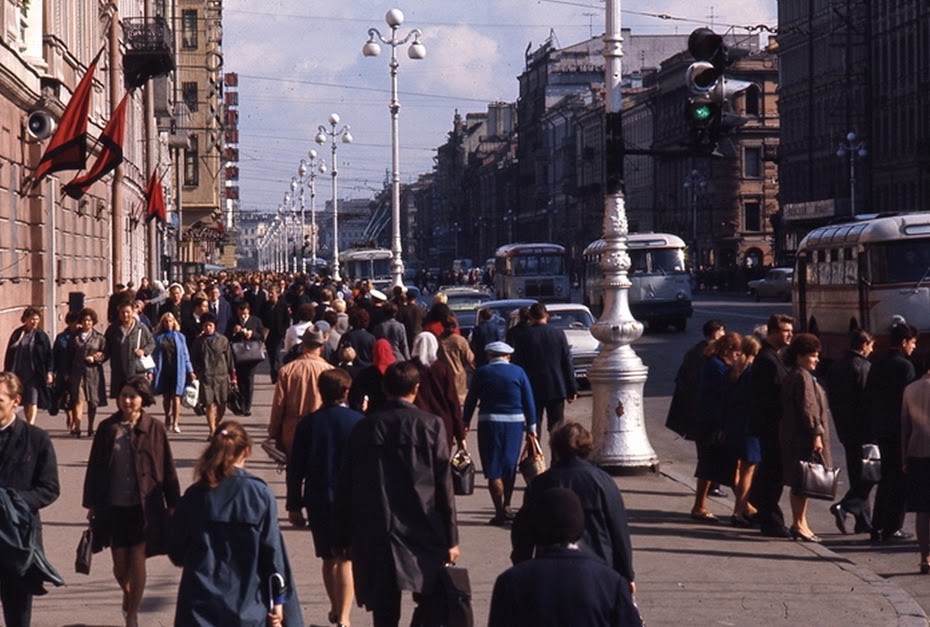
(367, 264)
(531, 271)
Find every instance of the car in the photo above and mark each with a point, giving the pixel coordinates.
(776, 284)
(575, 322)
(462, 301)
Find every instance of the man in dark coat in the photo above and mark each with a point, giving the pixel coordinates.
(276, 317)
(885, 388)
(849, 405)
(393, 331)
(542, 351)
(486, 331)
(411, 316)
(562, 585)
(220, 308)
(394, 506)
(683, 411)
(29, 467)
(244, 327)
(765, 381)
(606, 532)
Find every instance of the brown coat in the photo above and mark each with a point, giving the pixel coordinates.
(805, 413)
(159, 490)
(296, 394)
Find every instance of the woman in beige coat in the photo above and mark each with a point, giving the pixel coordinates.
(805, 424)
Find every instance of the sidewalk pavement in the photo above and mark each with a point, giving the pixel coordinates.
(687, 572)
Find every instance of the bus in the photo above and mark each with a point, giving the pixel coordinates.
(531, 271)
(660, 294)
(367, 264)
(868, 273)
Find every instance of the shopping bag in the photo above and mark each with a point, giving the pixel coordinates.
(84, 553)
(532, 461)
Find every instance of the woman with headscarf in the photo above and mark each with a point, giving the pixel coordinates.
(437, 394)
(367, 394)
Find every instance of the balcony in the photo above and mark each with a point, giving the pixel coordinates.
(149, 49)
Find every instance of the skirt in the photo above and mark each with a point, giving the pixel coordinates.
(320, 516)
(917, 484)
(716, 463)
(499, 448)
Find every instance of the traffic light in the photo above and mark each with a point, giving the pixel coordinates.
(708, 110)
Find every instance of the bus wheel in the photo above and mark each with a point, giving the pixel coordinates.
(680, 324)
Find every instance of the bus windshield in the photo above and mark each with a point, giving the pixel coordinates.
(662, 260)
(535, 265)
(900, 262)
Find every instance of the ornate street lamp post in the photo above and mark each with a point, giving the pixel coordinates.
(306, 172)
(321, 138)
(855, 149)
(617, 374)
(695, 183)
(394, 18)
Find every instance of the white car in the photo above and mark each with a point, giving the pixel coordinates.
(776, 284)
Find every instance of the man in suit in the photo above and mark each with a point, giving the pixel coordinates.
(256, 296)
(220, 308)
(487, 330)
(765, 381)
(395, 507)
(885, 388)
(191, 323)
(563, 584)
(411, 316)
(246, 327)
(542, 351)
(276, 317)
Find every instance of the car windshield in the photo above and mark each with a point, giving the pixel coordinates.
(466, 302)
(570, 319)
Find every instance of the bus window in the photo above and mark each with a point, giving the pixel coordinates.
(667, 260)
(899, 262)
(638, 262)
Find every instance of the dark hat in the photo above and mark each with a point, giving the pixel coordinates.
(559, 517)
(207, 317)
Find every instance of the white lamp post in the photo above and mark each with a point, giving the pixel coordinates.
(394, 18)
(307, 172)
(321, 138)
(855, 149)
(618, 374)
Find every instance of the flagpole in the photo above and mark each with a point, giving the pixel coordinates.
(153, 255)
(116, 199)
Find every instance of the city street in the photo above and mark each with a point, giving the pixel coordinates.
(711, 574)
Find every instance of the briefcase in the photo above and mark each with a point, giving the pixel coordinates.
(247, 352)
(463, 473)
(816, 480)
(84, 553)
(450, 603)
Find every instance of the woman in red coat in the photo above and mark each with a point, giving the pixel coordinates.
(437, 394)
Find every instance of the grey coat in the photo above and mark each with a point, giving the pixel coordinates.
(86, 376)
(213, 364)
(120, 353)
(395, 333)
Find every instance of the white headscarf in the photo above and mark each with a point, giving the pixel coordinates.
(425, 348)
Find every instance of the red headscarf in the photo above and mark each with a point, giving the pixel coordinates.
(382, 355)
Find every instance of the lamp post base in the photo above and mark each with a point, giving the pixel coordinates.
(618, 426)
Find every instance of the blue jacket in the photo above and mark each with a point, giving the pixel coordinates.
(228, 542)
(316, 457)
(500, 388)
(183, 358)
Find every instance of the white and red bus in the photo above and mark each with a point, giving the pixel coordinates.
(865, 273)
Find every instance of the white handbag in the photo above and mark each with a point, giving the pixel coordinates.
(871, 463)
(146, 362)
(191, 394)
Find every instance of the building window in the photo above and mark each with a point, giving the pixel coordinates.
(752, 162)
(189, 29)
(189, 94)
(753, 101)
(191, 157)
(752, 216)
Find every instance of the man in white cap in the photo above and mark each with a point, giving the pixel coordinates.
(297, 392)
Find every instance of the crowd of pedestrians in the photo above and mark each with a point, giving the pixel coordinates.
(762, 406)
(367, 411)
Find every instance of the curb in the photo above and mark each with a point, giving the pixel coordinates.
(909, 613)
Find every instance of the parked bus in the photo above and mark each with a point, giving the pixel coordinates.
(660, 294)
(531, 271)
(865, 273)
(371, 264)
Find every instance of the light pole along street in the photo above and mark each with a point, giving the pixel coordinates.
(321, 138)
(394, 18)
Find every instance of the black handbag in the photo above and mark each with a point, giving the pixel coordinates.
(84, 553)
(247, 352)
(463, 473)
(816, 480)
(450, 603)
(234, 400)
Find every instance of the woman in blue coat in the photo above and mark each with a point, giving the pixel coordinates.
(172, 367)
(225, 537)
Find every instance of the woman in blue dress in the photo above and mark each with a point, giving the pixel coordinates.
(172, 367)
(225, 537)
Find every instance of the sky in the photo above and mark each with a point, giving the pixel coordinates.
(300, 61)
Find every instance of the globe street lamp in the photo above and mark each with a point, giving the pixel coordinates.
(854, 148)
(394, 18)
(307, 172)
(321, 138)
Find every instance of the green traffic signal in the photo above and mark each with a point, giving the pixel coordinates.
(701, 112)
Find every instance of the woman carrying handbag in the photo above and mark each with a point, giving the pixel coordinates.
(805, 426)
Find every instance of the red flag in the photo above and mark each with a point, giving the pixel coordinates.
(67, 150)
(155, 199)
(111, 156)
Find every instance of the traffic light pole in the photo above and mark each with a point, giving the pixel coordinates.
(618, 374)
